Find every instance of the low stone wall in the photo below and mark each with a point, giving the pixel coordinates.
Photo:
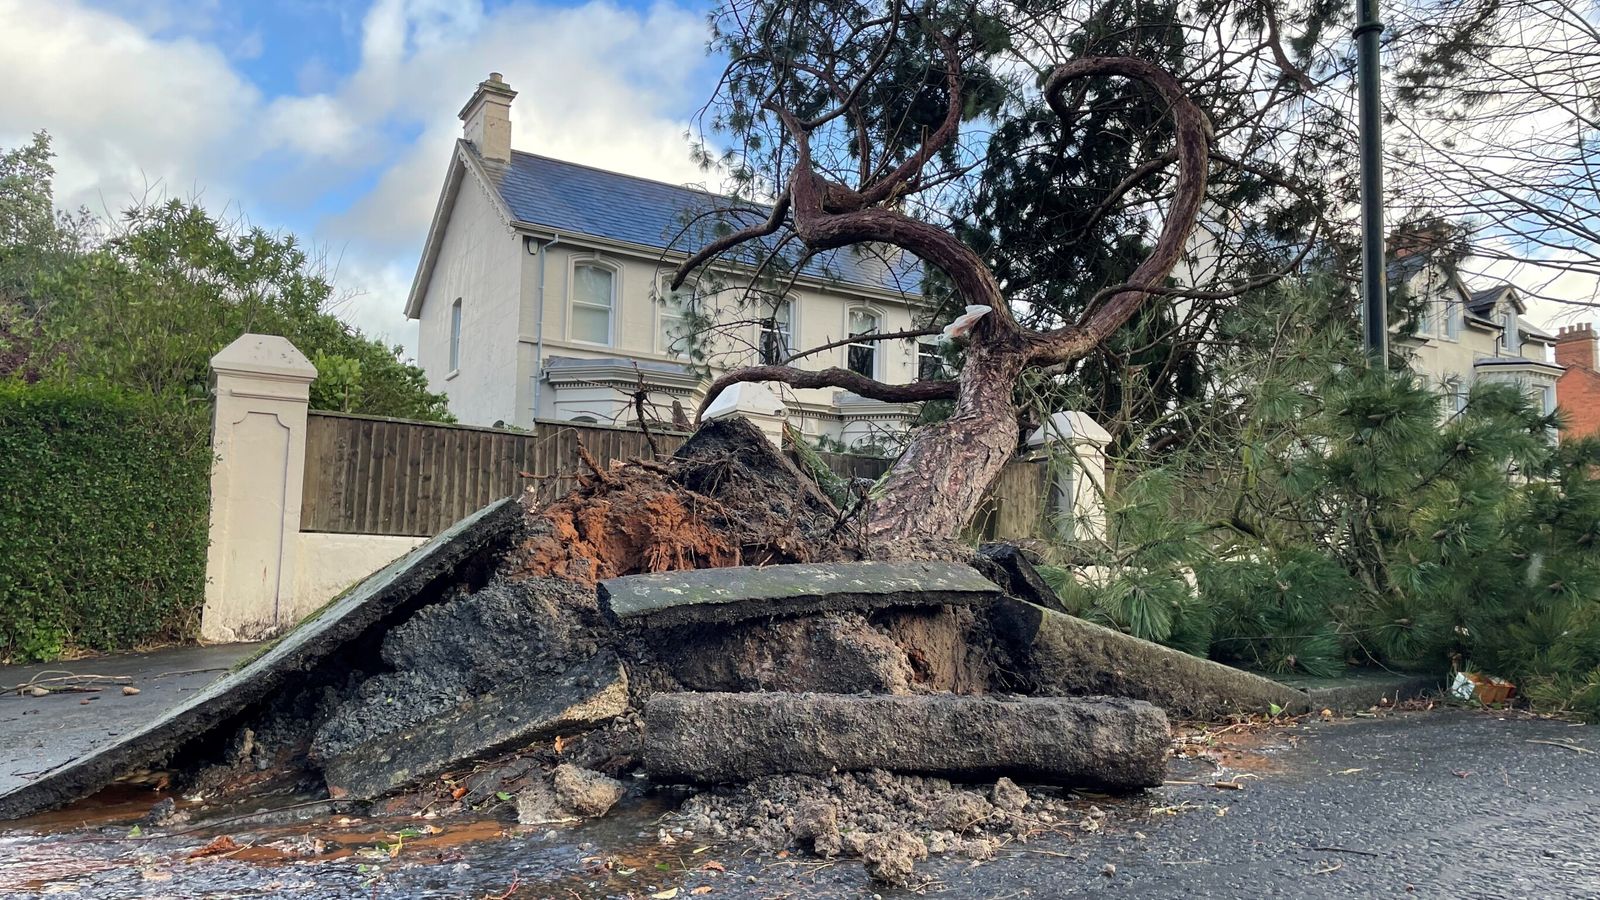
(329, 564)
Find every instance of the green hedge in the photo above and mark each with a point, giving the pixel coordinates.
(103, 520)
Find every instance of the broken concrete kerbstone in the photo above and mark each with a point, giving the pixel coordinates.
(520, 715)
(1105, 743)
(737, 593)
(1065, 656)
(585, 791)
(390, 595)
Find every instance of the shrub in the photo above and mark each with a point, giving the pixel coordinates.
(103, 519)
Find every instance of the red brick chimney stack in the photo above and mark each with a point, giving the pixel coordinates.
(1577, 345)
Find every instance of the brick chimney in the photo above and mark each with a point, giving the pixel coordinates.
(486, 119)
(1576, 346)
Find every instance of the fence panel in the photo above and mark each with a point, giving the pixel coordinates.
(369, 475)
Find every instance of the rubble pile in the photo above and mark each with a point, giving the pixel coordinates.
(712, 620)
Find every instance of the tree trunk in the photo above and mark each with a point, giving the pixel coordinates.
(935, 487)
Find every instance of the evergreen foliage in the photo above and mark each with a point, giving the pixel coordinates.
(143, 303)
(1329, 514)
(104, 497)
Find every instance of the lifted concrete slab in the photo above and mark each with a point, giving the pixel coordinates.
(738, 593)
(1066, 656)
(521, 715)
(397, 588)
(1360, 689)
(1104, 743)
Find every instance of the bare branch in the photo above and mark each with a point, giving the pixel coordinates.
(833, 377)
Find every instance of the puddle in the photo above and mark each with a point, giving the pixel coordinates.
(94, 849)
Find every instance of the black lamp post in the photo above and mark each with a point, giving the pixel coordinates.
(1375, 320)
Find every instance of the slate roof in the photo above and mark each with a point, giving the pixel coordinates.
(580, 199)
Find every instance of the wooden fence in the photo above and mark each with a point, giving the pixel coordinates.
(368, 475)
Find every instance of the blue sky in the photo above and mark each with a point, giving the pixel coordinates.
(334, 119)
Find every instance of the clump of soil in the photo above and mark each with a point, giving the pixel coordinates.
(889, 821)
(506, 634)
(727, 498)
(633, 519)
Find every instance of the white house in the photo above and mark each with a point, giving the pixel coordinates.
(540, 295)
(1463, 335)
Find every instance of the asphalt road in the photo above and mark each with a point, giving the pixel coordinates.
(1450, 803)
(39, 733)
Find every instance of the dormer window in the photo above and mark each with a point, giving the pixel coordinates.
(1513, 338)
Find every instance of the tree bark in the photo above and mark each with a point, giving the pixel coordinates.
(939, 481)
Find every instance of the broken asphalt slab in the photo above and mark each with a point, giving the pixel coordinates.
(392, 592)
(1105, 743)
(1066, 656)
(738, 593)
(519, 716)
(1009, 566)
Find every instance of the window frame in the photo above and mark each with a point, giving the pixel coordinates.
(612, 311)
(928, 348)
(867, 346)
(455, 336)
(663, 345)
(769, 324)
(1454, 318)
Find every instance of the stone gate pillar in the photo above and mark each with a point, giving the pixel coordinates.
(258, 438)
(1076, 444)
(755, 402)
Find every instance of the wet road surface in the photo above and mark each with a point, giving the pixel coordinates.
(1449, 803)
(39, 733)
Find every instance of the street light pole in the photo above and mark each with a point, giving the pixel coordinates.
(1375, 318)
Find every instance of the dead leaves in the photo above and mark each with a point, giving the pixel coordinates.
(219, 845)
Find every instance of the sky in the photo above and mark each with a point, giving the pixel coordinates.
(334, 119)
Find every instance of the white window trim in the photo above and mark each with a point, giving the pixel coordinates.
(794, 328)
(877, 346)
(598, 262)
(663, 287)
(1454, 318)
(457, 326)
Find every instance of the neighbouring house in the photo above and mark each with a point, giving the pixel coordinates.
(1458, 335)
(540, 294)
(1578, 389)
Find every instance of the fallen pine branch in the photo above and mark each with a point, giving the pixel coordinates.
(1563, 745)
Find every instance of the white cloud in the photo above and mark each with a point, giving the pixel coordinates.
(128, 108)
(316, 126)
(125, 109)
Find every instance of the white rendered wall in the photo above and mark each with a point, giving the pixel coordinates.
(478, 262)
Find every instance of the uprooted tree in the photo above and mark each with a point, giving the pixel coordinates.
(1051, 163)
(811, 68)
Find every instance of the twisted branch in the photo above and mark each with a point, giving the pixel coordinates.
(832, 377)
(1193, 132)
